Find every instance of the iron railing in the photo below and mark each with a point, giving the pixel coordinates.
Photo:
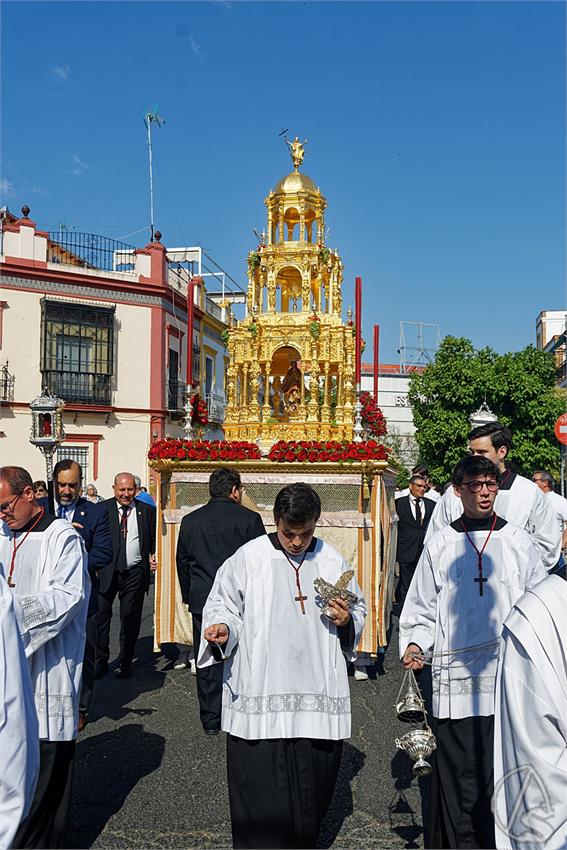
(215, 407)
(7, 381)
(78, 387)
(176, 391)
(90, 251)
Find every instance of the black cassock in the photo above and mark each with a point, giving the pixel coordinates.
(280, 789)
(462, 784)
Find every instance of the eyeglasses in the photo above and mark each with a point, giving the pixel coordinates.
(476, 486)
(537, 479)
(8, 507)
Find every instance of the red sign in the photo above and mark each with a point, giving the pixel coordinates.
(561, 429)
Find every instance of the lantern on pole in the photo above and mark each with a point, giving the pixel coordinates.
(47, 433)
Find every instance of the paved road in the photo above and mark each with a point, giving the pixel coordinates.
(146, 775)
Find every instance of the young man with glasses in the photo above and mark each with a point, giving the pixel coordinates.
(518, 500)
(43, 562)
(470, 575)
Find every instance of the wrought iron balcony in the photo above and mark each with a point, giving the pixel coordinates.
(90, 251)
(176, 391)
(78, 387)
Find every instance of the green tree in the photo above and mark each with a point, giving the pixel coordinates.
(519, 387)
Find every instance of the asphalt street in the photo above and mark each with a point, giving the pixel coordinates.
(147, 776)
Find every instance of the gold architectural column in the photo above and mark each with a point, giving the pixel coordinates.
(302, 222)
(266, 405)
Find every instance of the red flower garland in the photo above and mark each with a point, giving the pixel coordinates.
(372, 417)
(312, 451)
(220, 450)
(199, 413)
(304, 451)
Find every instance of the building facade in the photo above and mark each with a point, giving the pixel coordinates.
(104, 326)
(551, 336)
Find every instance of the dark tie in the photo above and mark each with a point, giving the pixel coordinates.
(121, 561)
(62, 512)
(418, 514)
(124, 520)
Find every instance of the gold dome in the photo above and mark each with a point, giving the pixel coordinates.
(295, 182)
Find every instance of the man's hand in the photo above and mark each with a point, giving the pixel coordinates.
(410, 659)
(217, 633)
(153, 563)
(77, 525)
(340, 611)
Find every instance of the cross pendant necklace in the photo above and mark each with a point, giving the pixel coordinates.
(480, 578)
(11, 582)
(299, 598)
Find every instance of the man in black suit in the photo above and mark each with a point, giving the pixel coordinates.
(414, 512)
(133, 530)
(91, 521)
(207, 537)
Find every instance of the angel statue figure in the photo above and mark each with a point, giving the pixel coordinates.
(297, 151)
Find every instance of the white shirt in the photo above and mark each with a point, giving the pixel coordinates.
(50, 598)
(133, 552)
(444, 611)
(530, 732)
(286, 675)
(412, 501)
(69, 511)
(524, 504)
(19, 740)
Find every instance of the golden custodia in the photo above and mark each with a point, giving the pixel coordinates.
(291, 370)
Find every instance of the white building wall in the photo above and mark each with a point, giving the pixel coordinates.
(549, 323)
(132, 356)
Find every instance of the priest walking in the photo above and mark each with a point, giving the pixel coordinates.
(43, 561)
(466, 582)
(286, 701)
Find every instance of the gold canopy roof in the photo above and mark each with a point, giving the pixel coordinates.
(295, 182)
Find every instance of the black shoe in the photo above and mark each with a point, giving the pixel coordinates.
(211, 731)
(123, 672)
(101, 671)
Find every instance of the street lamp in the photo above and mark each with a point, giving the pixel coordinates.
(47, 433)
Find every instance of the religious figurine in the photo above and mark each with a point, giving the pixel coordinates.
(276, 396)
(291, 387)
(297, 151)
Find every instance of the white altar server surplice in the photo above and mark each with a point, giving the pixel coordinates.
(530, 736)
(519, 501)
(445, 613)
(50, 594)
(285, 676)
(19, 741)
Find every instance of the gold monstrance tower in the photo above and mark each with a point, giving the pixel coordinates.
(291, 374)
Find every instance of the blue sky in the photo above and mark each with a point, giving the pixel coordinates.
(435, 130)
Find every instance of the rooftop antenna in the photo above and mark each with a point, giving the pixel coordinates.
(149, 118)
(419, 353)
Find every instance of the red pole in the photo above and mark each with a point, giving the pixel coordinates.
(376, 350)
(195, 281)
(358, 322)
